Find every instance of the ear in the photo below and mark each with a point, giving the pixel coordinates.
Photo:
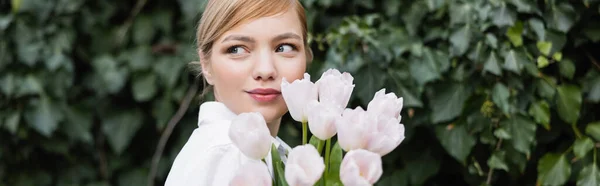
(206, 68)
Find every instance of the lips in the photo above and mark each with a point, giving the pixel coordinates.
(264, 94)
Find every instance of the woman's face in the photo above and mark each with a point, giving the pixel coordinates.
(248, 62)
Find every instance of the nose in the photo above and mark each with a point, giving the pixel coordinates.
(264, 68)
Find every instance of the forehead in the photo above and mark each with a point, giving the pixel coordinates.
(268, 26)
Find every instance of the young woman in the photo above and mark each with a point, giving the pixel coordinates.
(246, 48)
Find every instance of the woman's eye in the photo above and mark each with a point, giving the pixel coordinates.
(285, 48)
(236, 50)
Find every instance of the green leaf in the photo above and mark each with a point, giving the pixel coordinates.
(545, 88)
(11, 122)
(557, 39)
(168, 70)
(413, 16)
(500, 95)
(544, 47)
(278, 167)
(538, 27)
(112, 77)
(162, 110)
(139, 58)
(410, 100)
(516, 160)
(497, 161)
(582, 146)
(29, 45)
(120, 127)
(514, 34)
(593, 86)
(491, 40)
(589, 176)
(456, 140)
(557, 56)
(31, 85)
(501, 133)
(57, 60)
(542, 62)
(522, 131)
(428, 67)
(317, 143)
(461, 13)
(143, 29)
(568, 103)
(491, 65)
(514, 61)
(560, 17)
(461, 40)
(78, 125)
(447, 101)
(335, 160)
(368, 81)
(8, 84)
(43, 116)
(524, 6)
(592, 32)
(144, 87)
(553, 169)
(540, 111)
(593, 129)
(567, 68)
(504, 16)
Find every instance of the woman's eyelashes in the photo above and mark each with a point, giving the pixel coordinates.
(286, 47)
(236, 50)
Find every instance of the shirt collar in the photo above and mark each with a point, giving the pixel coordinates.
(214, 111)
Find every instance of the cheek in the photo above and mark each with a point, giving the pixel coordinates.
(292, 70)
(228, 76)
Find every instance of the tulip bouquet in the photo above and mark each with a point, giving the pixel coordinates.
(363, 136)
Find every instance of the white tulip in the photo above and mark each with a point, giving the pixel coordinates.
(297, 95)
(360, 167)
(253, 173)
(249, 132)
(386, 104)
(304, 166)
(388, 135)
(321, 119)
(354, 128)
(335, 88)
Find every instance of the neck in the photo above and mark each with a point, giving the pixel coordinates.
(274, 127)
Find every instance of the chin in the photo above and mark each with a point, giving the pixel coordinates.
(272, 113)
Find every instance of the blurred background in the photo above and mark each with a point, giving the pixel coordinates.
(496, 92)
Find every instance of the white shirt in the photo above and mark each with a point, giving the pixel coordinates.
(209, 157)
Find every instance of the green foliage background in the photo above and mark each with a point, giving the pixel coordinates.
(498, 92)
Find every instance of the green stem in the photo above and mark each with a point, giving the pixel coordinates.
(304, 132)
(327, 152)
(576, 130)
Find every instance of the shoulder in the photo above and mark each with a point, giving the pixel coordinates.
(208, 157)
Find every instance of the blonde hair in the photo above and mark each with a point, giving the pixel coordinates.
(219, 16)
(222, 15)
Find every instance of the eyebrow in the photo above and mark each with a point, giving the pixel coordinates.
(288, 35)
(239, 38)
(280, 37)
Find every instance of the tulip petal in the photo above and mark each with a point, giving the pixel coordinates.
(367, 163)
(304, 166)
(249, 132)
(297, 95)
(252, 173)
